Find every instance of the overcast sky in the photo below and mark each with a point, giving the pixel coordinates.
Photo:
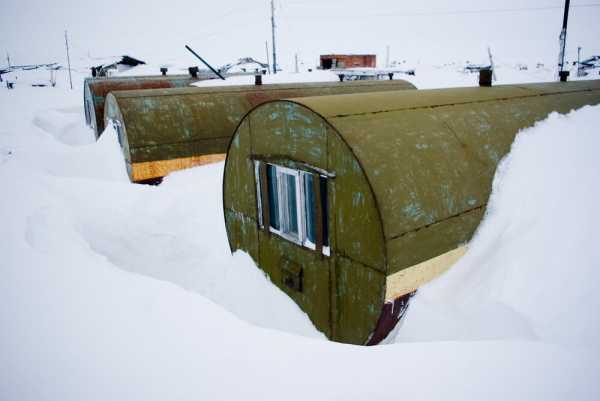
(524, 30)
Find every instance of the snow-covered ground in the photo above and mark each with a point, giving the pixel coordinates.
(110, 290)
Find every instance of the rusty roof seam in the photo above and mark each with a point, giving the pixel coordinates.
(430, 106)
(436, 222)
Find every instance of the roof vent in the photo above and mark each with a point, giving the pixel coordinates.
(485, 77)
(163, 71)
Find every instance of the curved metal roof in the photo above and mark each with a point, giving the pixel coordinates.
(430, 155)
(164, 123)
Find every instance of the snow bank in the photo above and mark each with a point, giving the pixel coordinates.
(110, 290)
(532, 270)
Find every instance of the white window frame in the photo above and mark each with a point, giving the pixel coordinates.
(299, 179)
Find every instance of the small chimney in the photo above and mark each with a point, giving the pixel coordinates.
(94, 72)
(563, 76)
(258, 79)
(485, 77)
(193, 72)
(163, 71)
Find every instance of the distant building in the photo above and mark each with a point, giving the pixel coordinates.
(124, 64)
(330, 61)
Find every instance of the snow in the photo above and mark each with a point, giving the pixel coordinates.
(427, 76)
(111, 290)
(279, 78)
(532, 269)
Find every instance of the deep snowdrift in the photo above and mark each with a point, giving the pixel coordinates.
(532, 270)
(110, 290)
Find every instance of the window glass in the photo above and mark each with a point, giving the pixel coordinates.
(291, 210)
(273, 190)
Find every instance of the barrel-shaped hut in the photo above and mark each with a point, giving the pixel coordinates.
(161, 131)
(95, 91)
(350, 203)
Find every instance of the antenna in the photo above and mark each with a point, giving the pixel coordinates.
(68, 59)
(273, 34)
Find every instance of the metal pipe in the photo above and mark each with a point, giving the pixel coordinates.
(193, 72)
(205, 63)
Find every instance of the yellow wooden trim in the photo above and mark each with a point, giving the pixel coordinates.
(408, 280)
(160, 168)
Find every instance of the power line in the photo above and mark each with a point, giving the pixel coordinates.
(442, 13)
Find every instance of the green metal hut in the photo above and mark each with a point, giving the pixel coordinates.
(350, 203)
(164, 130)
(95, 91)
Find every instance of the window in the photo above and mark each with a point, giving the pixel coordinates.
(293, 204)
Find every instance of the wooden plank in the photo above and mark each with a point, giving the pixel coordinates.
(408, 280)
(160, 168)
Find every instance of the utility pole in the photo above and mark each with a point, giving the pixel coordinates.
(8, 60)
(492, 66)
(296, 62)
(579, 70)
(68, 59)
(267, 51)
(273, 39)
(387, 56)
(562, 39)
